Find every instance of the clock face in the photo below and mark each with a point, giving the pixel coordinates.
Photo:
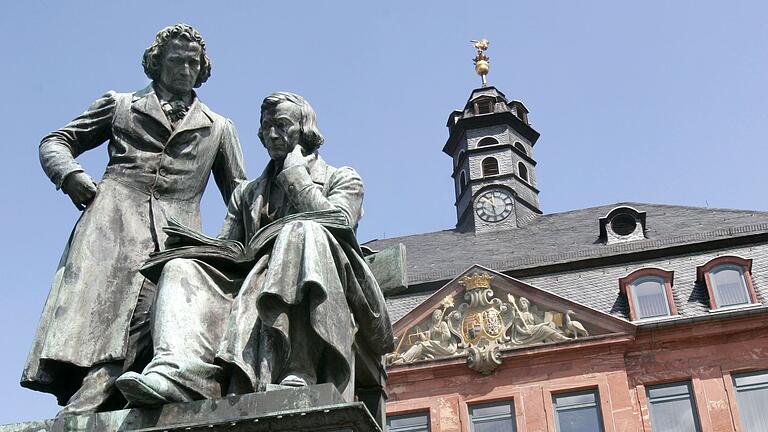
(493, 205)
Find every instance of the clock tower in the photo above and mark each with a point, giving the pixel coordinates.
(491, 144)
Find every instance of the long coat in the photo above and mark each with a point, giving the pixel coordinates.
(306, 264)
(154, 171)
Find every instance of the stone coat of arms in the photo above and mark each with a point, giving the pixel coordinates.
(481, 327)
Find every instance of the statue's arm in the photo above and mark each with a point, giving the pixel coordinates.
(345, 192)
(233, 226)
(59, 149)
(228, 167)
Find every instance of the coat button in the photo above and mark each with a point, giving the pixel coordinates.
(156, 194)
(163, 172)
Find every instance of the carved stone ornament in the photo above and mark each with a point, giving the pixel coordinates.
(482, 326)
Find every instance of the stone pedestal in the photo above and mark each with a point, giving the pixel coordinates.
(315, 408)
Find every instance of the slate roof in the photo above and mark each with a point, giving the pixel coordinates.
(566, 237)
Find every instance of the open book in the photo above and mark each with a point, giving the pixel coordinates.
(184, 242)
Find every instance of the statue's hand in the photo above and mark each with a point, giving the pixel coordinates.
(295, 158)
(80, 188)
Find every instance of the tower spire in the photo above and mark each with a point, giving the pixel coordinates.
(481, 60)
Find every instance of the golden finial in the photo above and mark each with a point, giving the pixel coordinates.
(476, 281)
(447, 302)
(481, 60)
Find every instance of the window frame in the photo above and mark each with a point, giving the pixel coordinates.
(736, 407)
(704, 274)
(460, 157)
(484, 168)
(410, 414)
(691, 397)
(489, 141)
(598, 405)
(512, 415)
(626, 286)
(527, 177)
(482, 101)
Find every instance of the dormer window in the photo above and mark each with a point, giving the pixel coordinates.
(649, 293)
(487, 141)
(484, 106)
(622, 224)
(729, 281)
(490, 166)
(520, 110)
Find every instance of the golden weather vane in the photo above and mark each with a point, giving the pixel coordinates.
(481, 60)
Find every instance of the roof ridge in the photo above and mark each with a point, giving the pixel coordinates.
(533, 221)
(637, 204)
(699, 208)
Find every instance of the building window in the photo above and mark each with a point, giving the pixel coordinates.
(484, 106)
(521, 147)
(520, 110)
(494, 417)
(577, 412)
(649, 293)
(522, 171)
(490, 166)
(487, 141)
(459, 157)
(672, 407)
(462, 183)
(623, 224)
(728, 280)
(416, 422)
(752, 398)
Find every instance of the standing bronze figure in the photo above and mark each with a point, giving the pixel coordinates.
(163, 144)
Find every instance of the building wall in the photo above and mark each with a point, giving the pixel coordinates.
(705, 353)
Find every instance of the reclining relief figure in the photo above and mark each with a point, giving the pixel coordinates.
(163, 145)
(292, 316)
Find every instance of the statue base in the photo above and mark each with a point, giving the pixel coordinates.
(315, 408)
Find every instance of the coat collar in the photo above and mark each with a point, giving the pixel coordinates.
(197, 118)
(146, 102)
(317, 168)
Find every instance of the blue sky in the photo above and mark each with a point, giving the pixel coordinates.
(651, 101)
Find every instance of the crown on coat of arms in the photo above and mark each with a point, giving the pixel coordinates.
(476, 281)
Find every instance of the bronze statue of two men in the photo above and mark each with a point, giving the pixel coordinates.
(203, 331)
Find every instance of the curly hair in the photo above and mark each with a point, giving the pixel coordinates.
(311, 138)
(153, 54)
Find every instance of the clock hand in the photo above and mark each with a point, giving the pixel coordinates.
(490, 204)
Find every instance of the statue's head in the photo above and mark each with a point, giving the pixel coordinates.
(177, 59)
(524, 303)
(287, 120)
(437, 315)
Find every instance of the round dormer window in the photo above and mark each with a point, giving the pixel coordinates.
(623, 224)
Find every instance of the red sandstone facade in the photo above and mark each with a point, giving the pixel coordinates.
(705, 352)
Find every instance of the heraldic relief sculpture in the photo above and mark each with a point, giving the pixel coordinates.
(145, 310)
(482, 326)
